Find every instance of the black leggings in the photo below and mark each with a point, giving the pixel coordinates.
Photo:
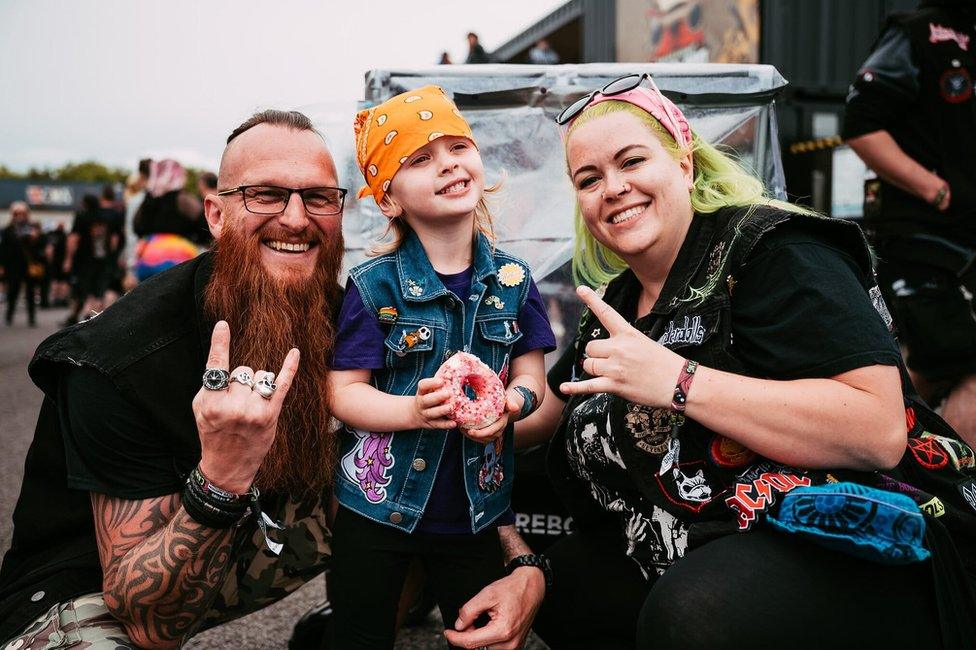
(760, 589)
(369, 566)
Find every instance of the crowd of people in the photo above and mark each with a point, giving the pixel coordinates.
(738, 474)
(112, 244)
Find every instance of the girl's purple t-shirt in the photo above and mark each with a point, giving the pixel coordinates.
(359, 346)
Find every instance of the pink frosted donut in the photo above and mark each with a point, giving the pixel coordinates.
(466, 370)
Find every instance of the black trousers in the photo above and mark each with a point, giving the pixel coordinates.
(14, 285)
(369, 566)
(761, 589)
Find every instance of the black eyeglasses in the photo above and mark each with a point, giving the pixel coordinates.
(271, 199)
(615, 87)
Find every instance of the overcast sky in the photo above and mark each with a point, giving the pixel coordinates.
(116, 80)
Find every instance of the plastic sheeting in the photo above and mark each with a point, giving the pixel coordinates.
(511, 109)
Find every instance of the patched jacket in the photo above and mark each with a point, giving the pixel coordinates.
(388, 476)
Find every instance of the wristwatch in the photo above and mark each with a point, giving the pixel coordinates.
(538, 561)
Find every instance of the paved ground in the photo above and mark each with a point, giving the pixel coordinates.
(19, 404)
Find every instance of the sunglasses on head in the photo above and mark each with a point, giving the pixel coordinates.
(616, 87)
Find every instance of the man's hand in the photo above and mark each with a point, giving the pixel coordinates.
(432, 406)
(511, 603)
(236, 425)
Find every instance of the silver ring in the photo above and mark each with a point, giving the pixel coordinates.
(215, 378)
(265, 386)
(243, 377)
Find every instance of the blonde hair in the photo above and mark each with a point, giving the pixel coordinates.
(484, 223)
(719, 181)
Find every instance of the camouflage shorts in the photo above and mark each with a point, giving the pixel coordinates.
(256, 578)
(81, 623)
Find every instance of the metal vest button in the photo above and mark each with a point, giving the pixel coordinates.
(396, 517)
(419, 464)
(36, 596)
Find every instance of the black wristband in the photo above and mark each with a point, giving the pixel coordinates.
(540, 562)
(208, 505)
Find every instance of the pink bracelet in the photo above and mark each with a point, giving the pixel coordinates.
(680, 399)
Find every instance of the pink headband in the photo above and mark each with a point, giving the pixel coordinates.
(652, 101)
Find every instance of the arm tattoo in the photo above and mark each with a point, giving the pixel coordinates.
(161, 568)
(512, 543)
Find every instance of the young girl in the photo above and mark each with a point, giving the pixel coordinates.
(410, 484)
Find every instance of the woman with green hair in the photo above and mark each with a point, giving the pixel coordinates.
(740, 351)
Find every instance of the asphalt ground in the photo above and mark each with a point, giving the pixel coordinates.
(20, 402)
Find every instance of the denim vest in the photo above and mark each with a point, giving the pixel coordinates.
(388, 476)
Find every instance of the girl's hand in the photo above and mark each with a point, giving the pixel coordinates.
(513, 404)
(628, 363)
(431, 405)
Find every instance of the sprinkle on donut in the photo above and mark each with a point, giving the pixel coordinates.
(465, 374)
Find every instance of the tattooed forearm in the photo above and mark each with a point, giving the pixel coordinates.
(512, 543)
(162, 569)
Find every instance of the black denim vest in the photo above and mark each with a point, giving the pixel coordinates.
(152, 344)
(692, 316)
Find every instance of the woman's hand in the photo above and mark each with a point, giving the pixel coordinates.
(432, 406)
(628, 363)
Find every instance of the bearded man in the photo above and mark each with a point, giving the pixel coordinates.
(139, 520)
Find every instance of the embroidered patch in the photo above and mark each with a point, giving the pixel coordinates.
(729, 454)
(686, 487)
(752, 498)
(511, 274)
(691, 333)
(955, 85)
(388, 314)
(933, 507)
(491, 474)
(939, 34)
(651, 428)
(369, 462)
(968, 492)
(960, 454)
(928, 453)
(910, 419)
(879, 305)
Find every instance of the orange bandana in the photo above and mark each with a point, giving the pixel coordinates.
(387, 134)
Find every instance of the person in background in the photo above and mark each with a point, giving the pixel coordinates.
(445, 59)
(542, 54)
(22, 261)
(166, 221)
(55, 249)
(132, 196)
(911, 117)
(114, 218)
(89, 251)
(476, 53)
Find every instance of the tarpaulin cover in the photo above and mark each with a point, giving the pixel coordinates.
(511, 109)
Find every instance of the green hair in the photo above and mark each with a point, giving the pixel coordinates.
(719, 181)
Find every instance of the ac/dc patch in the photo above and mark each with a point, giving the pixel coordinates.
(729, 454)
(751, 498)
(955, 85)
(928, 452)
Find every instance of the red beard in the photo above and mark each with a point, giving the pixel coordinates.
(268, 316)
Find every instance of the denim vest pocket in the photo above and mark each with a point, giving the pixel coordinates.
(500, 333)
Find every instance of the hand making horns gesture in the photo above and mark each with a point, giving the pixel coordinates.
(628, 363)
(237, 414)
